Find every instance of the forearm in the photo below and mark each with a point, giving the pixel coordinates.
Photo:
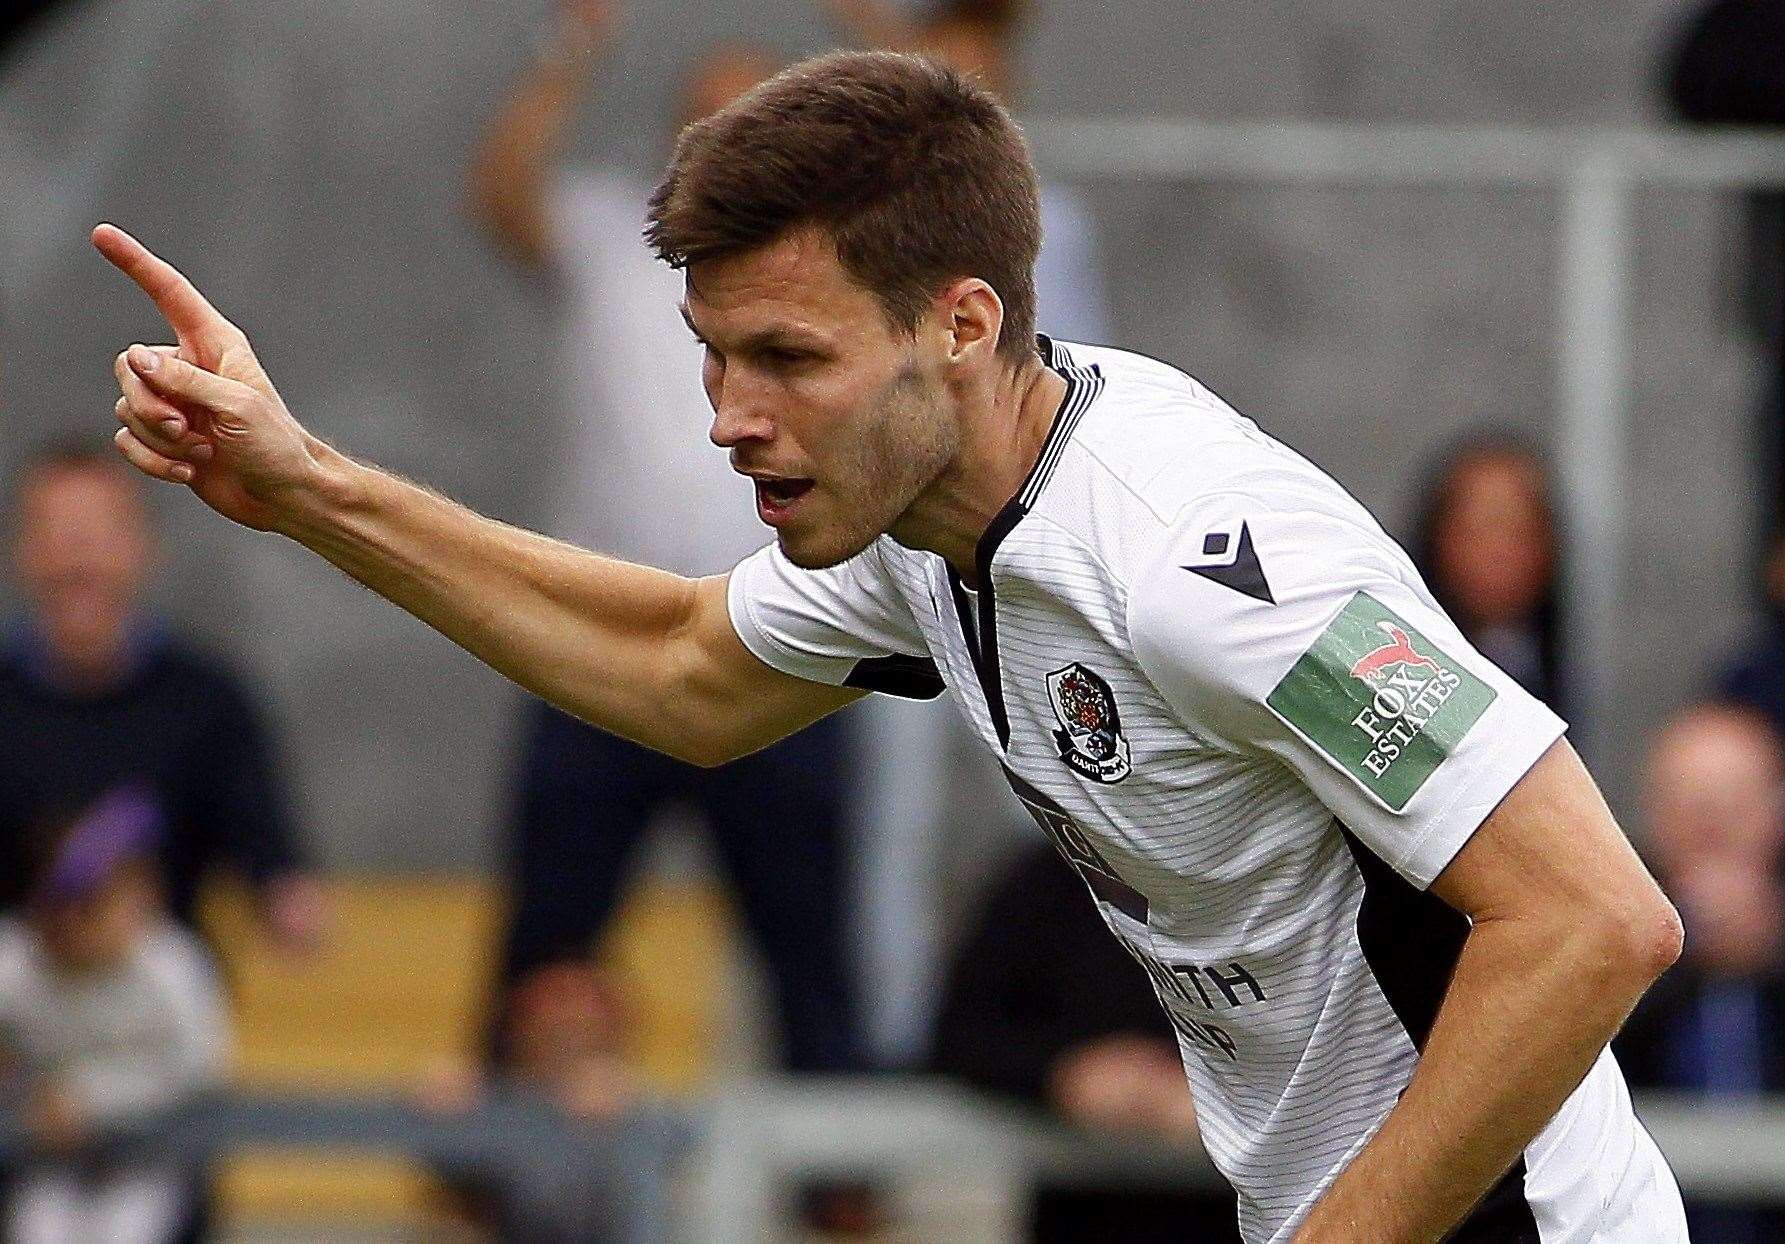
(1527, 1013)
(508, 179)
(589, 633)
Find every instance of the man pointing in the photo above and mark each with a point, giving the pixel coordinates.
(1392, 973)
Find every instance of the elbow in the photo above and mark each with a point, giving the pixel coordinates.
(1668, 940)
(1643, 939)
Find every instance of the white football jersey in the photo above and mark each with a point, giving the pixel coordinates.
(1225, 694)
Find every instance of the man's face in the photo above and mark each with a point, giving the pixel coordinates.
(1713, 793)
(81, 550)
(842, 419)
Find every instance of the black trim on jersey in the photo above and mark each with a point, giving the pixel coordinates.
(1083, 384)
(909, 678)
(1076, 847)
(1412, 939)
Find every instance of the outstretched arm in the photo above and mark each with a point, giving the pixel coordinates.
(508, 179)
(641, 652)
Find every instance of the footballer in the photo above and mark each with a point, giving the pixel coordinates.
(1389, 915)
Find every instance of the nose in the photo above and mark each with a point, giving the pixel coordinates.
(740, 410)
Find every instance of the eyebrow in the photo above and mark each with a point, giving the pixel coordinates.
(763, 339)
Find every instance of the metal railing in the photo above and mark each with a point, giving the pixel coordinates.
(735, 1154)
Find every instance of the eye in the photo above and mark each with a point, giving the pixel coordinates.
(785, 358)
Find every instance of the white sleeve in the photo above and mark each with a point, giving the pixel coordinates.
(1309, 638)
(846, 625)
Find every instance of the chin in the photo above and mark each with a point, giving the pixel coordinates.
(819, 552)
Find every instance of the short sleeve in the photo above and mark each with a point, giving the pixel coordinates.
(847, 625)
(1308, 637)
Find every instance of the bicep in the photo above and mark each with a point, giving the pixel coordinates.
(738, 703)
(1551, 845)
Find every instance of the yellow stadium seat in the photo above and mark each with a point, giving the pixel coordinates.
(400, 988)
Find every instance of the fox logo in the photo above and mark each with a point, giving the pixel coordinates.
(1380, 700)
(1400, 652)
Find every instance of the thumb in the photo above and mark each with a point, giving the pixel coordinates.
(174, 378)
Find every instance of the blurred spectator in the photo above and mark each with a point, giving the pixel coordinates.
(1043, 1005)
(565, 1027)
(1755, 677)
(1727, 69)
(94, 692)
(638, 486)
(1716, 1023)
(976, 37)
(1487, 545)
(109, 1014)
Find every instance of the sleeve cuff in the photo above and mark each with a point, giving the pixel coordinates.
(767, 647)
(1475, 797)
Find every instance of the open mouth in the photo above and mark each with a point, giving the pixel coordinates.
(775, 498)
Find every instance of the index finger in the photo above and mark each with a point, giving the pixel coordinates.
(192, 317)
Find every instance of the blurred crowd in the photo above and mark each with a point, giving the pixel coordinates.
(140, 768)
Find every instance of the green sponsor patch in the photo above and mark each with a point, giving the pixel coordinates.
(1382, 701)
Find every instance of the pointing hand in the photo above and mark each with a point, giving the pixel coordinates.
(203, 413)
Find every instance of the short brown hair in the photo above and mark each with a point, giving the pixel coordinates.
(919, 175)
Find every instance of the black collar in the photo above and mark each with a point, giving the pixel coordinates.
(1083, 384)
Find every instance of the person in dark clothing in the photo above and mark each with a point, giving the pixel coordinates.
(1715, 1024)
(1725, 68)
(1042, 1005)
(585, 798)
(1486, 542)
(1755, 675)
(94, 694)
(584, 802)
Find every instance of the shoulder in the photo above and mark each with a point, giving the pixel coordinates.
(12, 668)
(1244, 580)
(1757, 661)
(1185, 479)
(198, 679)
(193, 664)
(1167, 440)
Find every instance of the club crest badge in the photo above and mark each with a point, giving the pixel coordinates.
(1090, 735)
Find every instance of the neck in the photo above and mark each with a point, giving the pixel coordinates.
(1003, 427)
(90, 662)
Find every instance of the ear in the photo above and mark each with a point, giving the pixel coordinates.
(974, 315)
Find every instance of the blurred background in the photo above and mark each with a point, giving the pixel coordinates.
(1478, 261)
